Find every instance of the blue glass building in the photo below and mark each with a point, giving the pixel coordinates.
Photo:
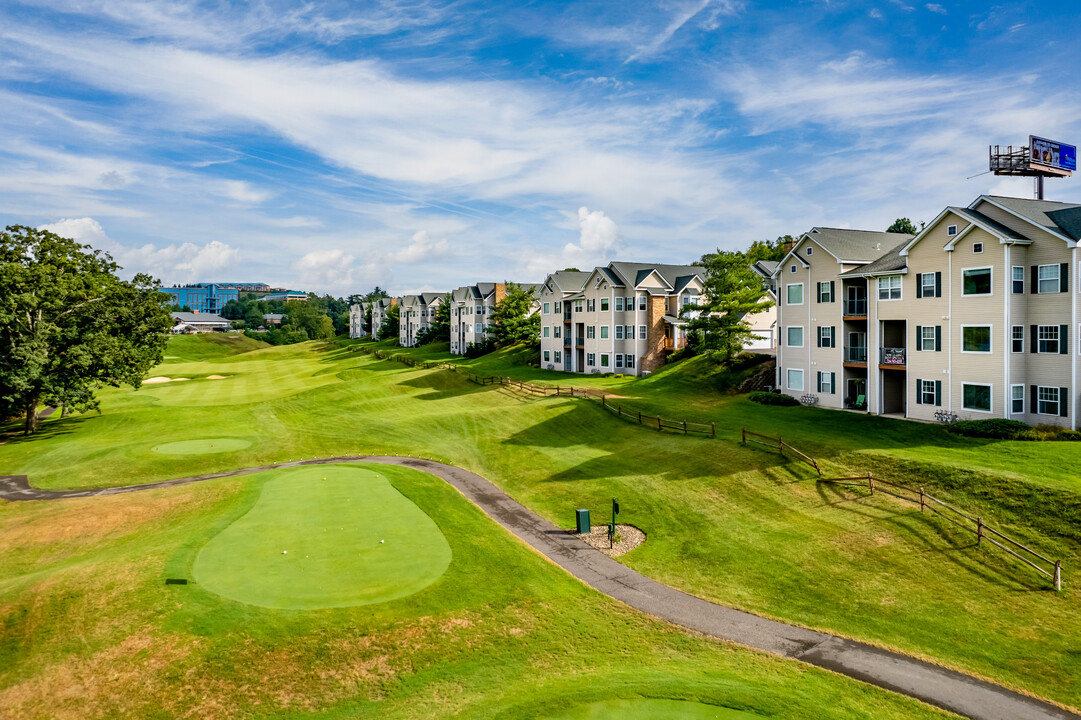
(203, 298)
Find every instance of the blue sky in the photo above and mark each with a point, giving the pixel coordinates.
(420, 145)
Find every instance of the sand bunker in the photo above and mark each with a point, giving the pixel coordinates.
(160, 380)
(216, 377)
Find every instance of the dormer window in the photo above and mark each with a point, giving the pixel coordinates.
(793, 268)
(951, 230)
(977, 248)
(810, 250)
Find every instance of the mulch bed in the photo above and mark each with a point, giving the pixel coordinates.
(629, 537)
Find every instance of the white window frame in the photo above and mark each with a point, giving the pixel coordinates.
(1039, 279)
(619, 361)
(642, 331)
(619, 332)
(547, 356)
(557, 356)
(788, 378)
(925, 393)
(991, 284)
(1014, 279)
(1014, 338)
(547, 331)
(628, 361)
(604, 304)
(923, 285)
(1015, 399)
(556, 331)
(547, 308)
(591, 332)
(951, 230)
(788, 336)
(827, 381)
(628, 332)
(889, 288)
(990, 401)
(604, 360)
(619, 304)
(977, 248)
(1057, 340)
(824, 285)
(990, 340)
(788, 293)
(924, 338)
(828, 335)
(1040, 401)
(604, 332)
(642, 301)
(810, 250)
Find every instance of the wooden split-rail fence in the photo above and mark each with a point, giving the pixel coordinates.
(780, 445)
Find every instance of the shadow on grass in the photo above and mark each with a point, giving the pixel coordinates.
(443, 385)
(54, 427)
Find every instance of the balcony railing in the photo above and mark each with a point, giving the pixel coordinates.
(855, 307)
(892, 356)
(670, 344)
(566, 314)
(856, 354)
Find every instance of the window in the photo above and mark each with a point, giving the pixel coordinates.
(977, 248)
(825, 292)
(630, 361)
(810, 251)
(825, 337)
(547, 308)
(928, 286)
(604, 359)
(591, 332)
(1047, 338)
(826, 382)
(591, 305)
(1047, 399)
(604, 332)
(1018, 280)
(629, 332)
(1017, 399)
(642, 331)
(557, 308)
(794, 294)
(557, 354)
(619, 304)
(577, 306)
(641, 302)
(689, 300)
(795, 336)
(792, 269)
(480, 309)
(951, 230)
(619, 332)
(889, 288)
(926, 390)
(547, 356)
(976, 281)
(555, 331)
(795, 379)
(928, 337)
(1047, 279)
(628, 305)
(619, 360)
(976, 338)
(604, 304)
(1017, 338)
(591, 359)
(976, 397)
(546, 329)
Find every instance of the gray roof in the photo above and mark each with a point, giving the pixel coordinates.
(891, 262)
(856, 246)
(635, 273)
(187, 317)
(1056, 217)
(569, 280)
(979, 217)
(273, 316)
(766, 267)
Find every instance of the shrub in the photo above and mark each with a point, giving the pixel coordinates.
(996, 428)
(485, 346)
(768, 398)
(1050, 432)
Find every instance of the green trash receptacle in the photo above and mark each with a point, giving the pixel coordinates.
(582, 516)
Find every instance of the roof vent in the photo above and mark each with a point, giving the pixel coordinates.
(878, 246)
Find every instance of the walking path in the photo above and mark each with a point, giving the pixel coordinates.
(948, 689)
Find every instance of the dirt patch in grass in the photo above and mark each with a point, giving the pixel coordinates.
(627, 538)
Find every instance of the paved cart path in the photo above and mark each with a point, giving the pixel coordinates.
(949, 689)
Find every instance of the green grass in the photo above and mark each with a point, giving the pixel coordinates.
(736, 525)
(89, 629)
(325, 537)
(652, 710)
(205, 446)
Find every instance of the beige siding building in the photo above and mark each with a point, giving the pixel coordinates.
(417, 312)
(471, 308)
(973, 318)
(379, 314)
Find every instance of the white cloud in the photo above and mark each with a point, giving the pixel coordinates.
(421, 248)
(244, 192)
(326, 269)
(599, 239)
(936, 8)
(186, 262)
(684, 15)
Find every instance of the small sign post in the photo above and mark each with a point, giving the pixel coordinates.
(612, 525)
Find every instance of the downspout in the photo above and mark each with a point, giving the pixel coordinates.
(873, 282)
(1073, 355)
(1007, 336)
(949, 328)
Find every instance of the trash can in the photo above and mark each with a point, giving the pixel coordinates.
(582, 516)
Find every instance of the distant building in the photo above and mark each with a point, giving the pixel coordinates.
(379, 314)
(246, 287)
(287, 295)
(202, 298)
(273, 318)
(190, 322)
(471, 308)
(417, 314)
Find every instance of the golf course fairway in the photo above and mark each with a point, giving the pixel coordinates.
(204, 446)
(651, 709)
(324, 537)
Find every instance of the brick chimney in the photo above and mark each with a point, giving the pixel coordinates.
(500, 291)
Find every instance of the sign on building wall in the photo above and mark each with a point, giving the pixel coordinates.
(1052, 154)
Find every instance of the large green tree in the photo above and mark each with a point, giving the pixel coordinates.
(308, 317)
(69, 325)
(391, 326)
(767, 250)
(903, 225)
(513, 318)
(732, 291)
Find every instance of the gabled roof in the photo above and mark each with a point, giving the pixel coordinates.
(989, 224)
(765, 268)
(634, 273)
(1062, 219)
(187, 317)
(568, 280)
(854, 246)
(430, 297)
(890, 263)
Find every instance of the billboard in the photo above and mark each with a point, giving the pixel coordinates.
(1052, 154)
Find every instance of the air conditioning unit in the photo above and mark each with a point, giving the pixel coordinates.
(550, 366)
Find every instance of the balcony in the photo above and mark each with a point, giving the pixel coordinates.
(855, 308)
(670, 344)
(891, 358)
(567, 343)
(856, 354)
(566, 315)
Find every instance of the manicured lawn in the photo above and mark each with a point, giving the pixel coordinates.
(651, 710)
(737, 525)
(325, 537)
(90, 629)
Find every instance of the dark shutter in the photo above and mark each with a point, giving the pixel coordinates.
(1034, 338)
(833, 383)
(938, 284)
(919, 337)
(919, 285)
(938, 393)
(833, 298)
(1064, 277)
(1035, 279)
(919, 392)
(1034, 399)
(818, 336)
(819, 381)
(938, 338)
(818, 293)
(1063, 339)
(1063, 402)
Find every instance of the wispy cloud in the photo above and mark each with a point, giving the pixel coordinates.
(682, 16)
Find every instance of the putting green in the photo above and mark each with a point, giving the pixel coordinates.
(348, 536)
(653, 710)
(202, 447)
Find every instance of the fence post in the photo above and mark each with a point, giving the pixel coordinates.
(713, 430)
(639, 417)
(658, 423)
(922, 502)
(780, 446)
(602, 400)
(1058, 574)
(684, 427)
(979, 530)
(871, 482)
(743, 435)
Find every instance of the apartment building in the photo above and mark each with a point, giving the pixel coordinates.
(622, 317)
(417, 312)
(764, 324)
(357, 313)
(379, 314)
(969, 319)
(471, 308)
